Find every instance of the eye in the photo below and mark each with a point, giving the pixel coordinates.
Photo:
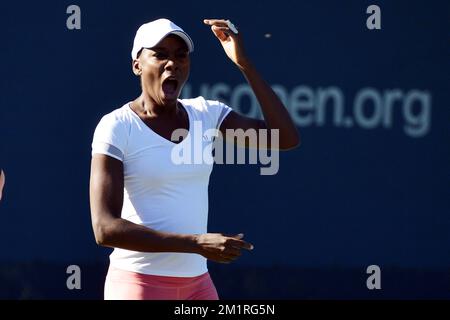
(160, 55)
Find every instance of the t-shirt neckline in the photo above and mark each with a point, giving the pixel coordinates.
(157, 134)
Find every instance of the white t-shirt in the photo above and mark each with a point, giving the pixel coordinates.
(158, 192)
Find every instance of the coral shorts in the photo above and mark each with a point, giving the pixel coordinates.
(127, 285)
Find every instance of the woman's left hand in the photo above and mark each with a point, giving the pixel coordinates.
(230, 41)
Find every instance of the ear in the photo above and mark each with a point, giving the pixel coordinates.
(136, 66)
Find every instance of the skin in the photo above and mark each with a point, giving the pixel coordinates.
(162, 113)
(275, 114)
(169, 59)
(2, 182)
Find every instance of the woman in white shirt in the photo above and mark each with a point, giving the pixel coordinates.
(150, 209)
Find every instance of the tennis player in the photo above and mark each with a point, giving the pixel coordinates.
(153, 212)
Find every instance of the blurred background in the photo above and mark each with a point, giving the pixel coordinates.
(368, 186)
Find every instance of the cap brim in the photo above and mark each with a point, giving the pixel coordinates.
(184, 36)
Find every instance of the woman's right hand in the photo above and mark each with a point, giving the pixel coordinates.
(221, 248)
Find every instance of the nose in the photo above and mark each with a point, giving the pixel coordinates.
(171, 64)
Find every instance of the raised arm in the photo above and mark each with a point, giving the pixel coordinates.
(110, 230)
(275, 114)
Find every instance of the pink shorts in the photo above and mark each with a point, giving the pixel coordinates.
(127, 285)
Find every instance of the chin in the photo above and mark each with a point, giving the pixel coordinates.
(171, 98)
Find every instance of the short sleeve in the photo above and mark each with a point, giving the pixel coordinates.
(218, 111)
(110, 137)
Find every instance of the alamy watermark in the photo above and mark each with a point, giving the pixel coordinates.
(374, 280)
(207, 147)
(74, 280)
(73, 21)
(374, 20)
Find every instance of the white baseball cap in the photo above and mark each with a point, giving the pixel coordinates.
(151, 33)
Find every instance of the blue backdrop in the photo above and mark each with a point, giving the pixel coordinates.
(369, 185)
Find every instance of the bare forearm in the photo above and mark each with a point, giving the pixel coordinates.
(120, 233)
(275, 114)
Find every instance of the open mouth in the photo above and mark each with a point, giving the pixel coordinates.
(170, 86)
